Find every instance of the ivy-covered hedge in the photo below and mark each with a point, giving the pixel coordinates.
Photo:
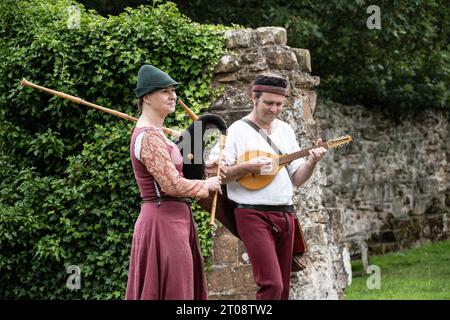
(67, 191)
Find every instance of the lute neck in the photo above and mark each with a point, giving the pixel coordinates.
(287, 158)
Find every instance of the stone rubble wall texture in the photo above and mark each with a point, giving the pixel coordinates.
(393, 181)
(251, 52)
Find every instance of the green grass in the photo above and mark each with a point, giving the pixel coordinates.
(421, 273)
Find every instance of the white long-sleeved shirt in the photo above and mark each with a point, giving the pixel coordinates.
(242, 138)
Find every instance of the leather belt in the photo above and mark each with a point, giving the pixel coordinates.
(166, 198)
(264, 207)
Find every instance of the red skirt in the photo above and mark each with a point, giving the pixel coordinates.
(166, 262)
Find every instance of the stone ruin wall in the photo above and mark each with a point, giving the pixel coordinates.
(393, 181)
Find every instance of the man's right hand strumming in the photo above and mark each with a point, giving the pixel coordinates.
(232, 173)
(259, 165)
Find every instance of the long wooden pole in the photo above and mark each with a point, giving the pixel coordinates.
(190, 113)
(77, 100)
(223, 139)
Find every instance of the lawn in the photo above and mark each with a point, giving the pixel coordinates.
(420, 273)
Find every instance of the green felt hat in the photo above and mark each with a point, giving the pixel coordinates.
(151, 79)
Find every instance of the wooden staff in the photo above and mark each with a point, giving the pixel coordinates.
(190, 113)
(77, 100)
(223, 139)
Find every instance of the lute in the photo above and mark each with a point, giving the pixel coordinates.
(254, 181)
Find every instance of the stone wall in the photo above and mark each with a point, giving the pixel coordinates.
(252, 52)
(393, 180)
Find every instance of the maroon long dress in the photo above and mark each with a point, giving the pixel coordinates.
(165, 262)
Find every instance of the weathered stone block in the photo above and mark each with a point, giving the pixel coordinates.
(428, 204)
(378, 207)
(399, 209)
(225, 249)
(370, 133)
(303, 59)
(220, 279)
(227, 63)
(372, 191)
(428, 185)
(237, 38)
(350, 177)
(258, 67)
(436, 205)
(305, 80)
(243, 279)
(230, 100)
(280, 58)
(252, 57)
(227, 77)
(269, 35)
(329, 198)
(305, 105)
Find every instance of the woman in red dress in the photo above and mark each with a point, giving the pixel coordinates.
(165, 262)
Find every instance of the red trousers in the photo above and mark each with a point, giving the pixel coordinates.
(268, 237)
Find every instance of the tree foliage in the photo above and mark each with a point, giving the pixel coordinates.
(404, 64)
(67, 191)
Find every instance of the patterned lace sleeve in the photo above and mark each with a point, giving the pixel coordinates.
(156, 158)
